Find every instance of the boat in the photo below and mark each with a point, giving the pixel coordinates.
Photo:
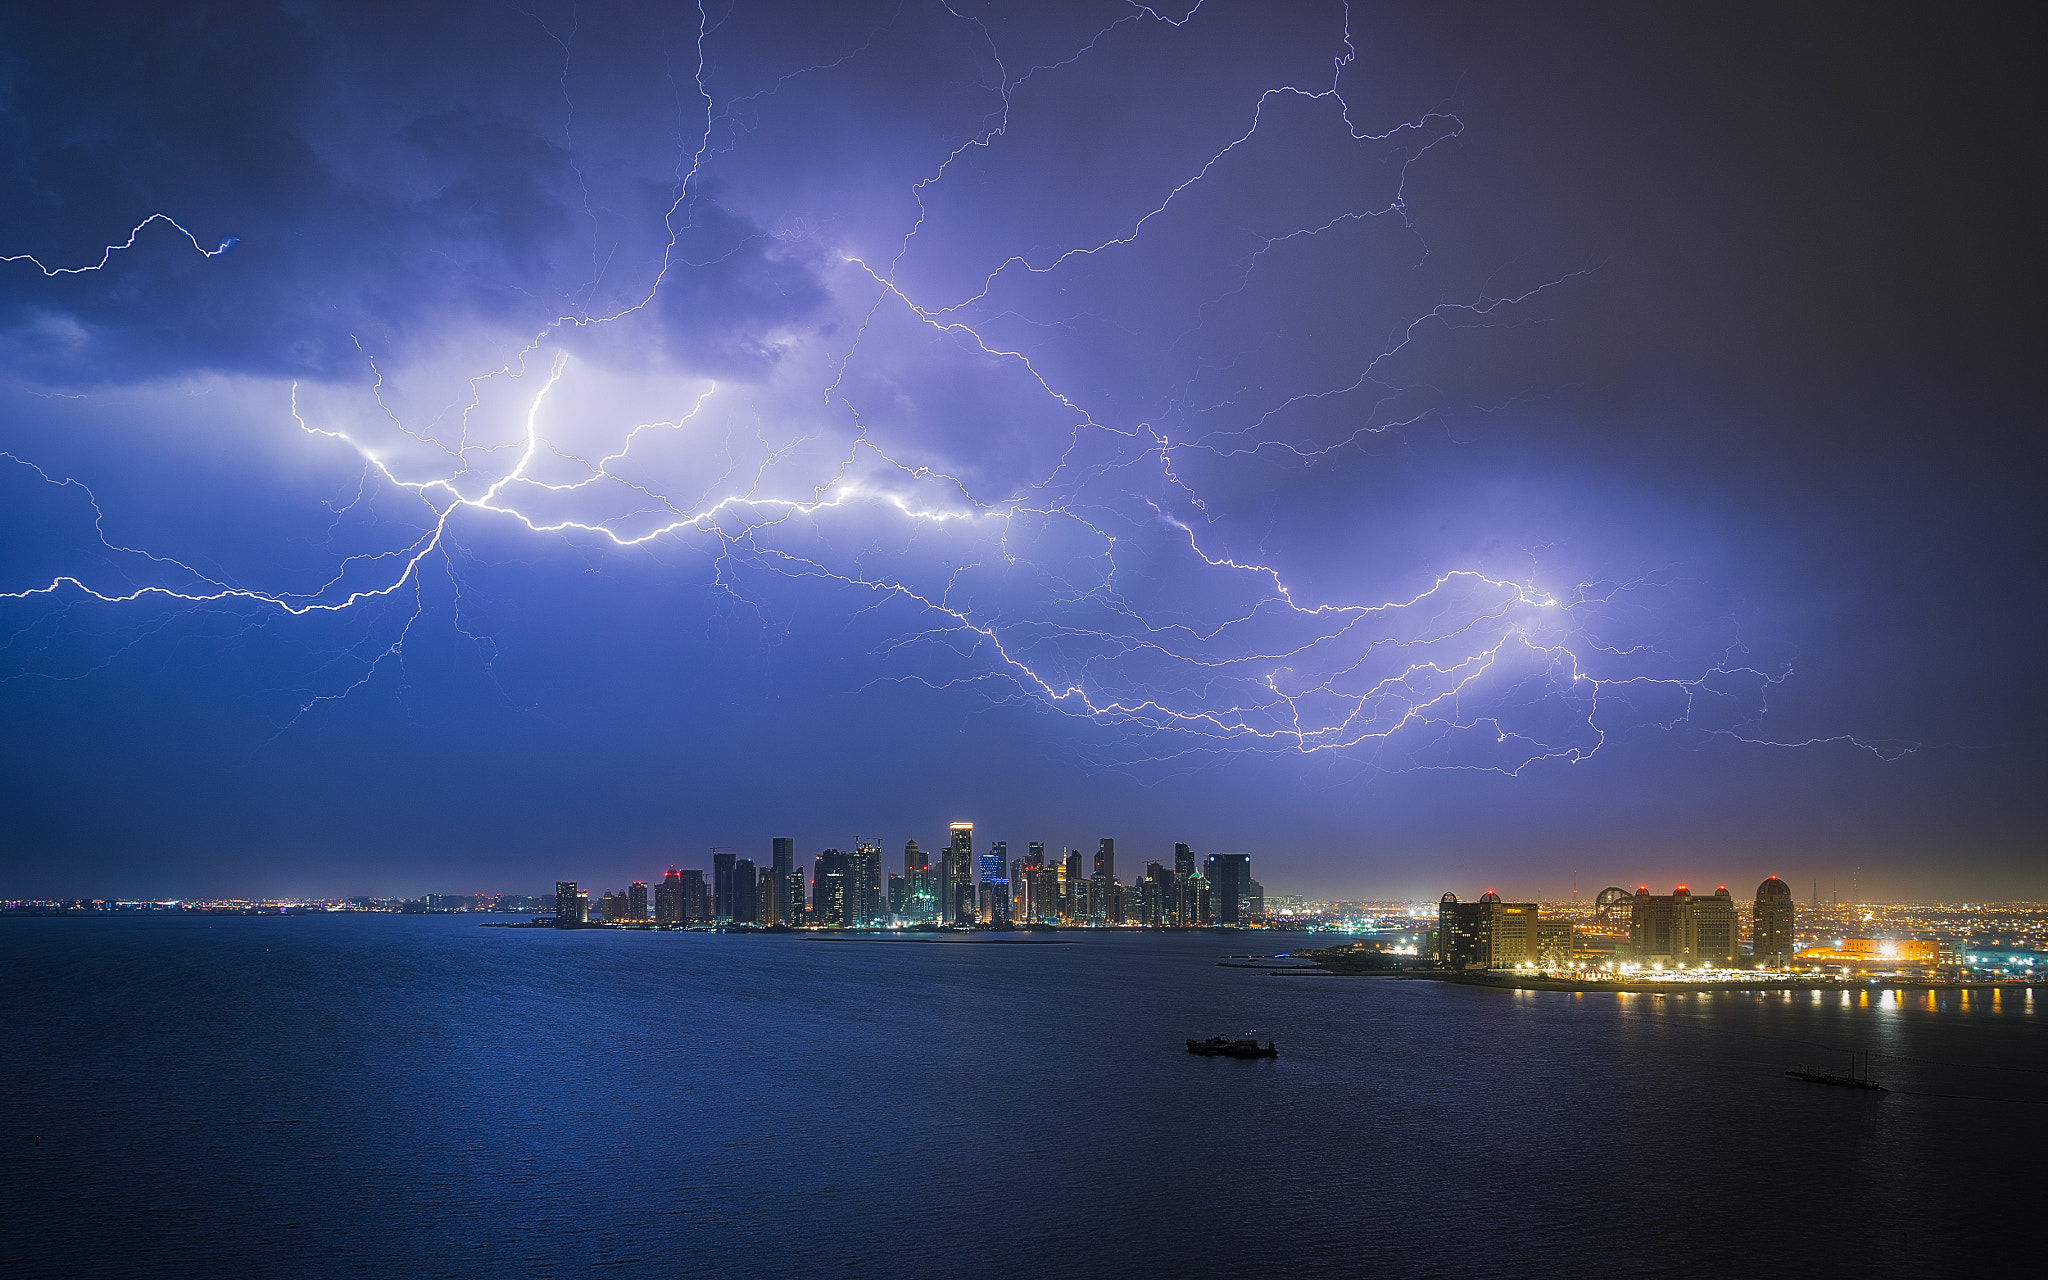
(1850, 1081)
(1226, 1047)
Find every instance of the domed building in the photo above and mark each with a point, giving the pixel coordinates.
(1771, 923)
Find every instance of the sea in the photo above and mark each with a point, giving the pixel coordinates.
(394, 1096)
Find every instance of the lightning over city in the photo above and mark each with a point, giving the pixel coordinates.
(925, 638)
(849, 338)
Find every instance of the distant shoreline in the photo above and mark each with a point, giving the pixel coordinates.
(1509, 981)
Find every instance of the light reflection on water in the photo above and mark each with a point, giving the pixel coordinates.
(406, 1096)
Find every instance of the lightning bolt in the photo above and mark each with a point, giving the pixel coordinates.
(1030, 592)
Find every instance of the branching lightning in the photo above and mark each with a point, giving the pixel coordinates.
(1026, 592)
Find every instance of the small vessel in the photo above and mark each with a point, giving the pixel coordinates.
(1226, 1047)
(1850, 1081)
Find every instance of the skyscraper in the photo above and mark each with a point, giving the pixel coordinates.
(864, 884)
(1183, 861)
(668, 898)
(1772, 922)
(959, 875)
(721, 885)
(746, 892)
(1230, 882)
(568, 904)
(696, 899)
(831, 894)
(794, 902)
(995, 877)
(636, 901)
(782, 869)
(1099, 882)
(920, 897)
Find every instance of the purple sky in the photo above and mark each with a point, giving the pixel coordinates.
(1424, 447)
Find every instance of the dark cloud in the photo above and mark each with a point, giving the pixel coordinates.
(1774, 358)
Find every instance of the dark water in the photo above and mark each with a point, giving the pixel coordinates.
(391, 1096)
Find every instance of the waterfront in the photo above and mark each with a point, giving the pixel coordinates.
(352, 1094)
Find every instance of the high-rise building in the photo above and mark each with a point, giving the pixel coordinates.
(1159, 898)
(899, 904)
(746, 892)
(793, 912)
(1099, 882)
(1073, 889)
(959, 875)
(831, 892)
(696, 897)
(1230, 882)
(668, 898)
(866, 886)
(568, 904)
(782, 868)
(771, 898)
(1680, 929)
(1772, 923)
(721, 885)
(1513, 931)
(1557, 941)
(920, 894)
(1460, 941)
(995, 874)
(1183, 861)
(1487, 934)
(636, 901)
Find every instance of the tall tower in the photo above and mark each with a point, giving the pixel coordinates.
(1183, 861)
(746, 892)
(721, 885)
(778, 895)
(865, 892)
(1230, 878)
(668, 898)
(1772, 922)
(1098, 884)
(959, 875)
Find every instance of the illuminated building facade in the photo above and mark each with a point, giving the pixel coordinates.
(1103, 876)
(1490, 933)
(921, 897)
(568, 903)
(864, 883)
(1459, 941)
(958, 877)
(668, 898)
(1772, 922)
(830, 896)
(1681, 929)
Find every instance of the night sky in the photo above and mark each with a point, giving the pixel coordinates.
(1424, 447)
